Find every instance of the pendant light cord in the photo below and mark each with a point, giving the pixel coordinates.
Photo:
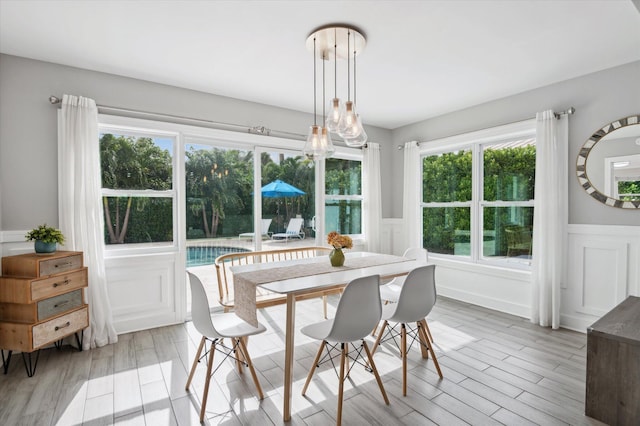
(354, 74)
(315, 119)
(348, 66)
(323, 90)
(335, 63)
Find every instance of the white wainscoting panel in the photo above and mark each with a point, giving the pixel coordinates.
(143, 291)
(602, 272)
(392, 236)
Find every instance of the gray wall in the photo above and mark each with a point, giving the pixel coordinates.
(599, 98)
(28, 126)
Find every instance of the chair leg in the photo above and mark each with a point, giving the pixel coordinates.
(238, 354)
(245, 355)
(343, 357)
(403, 349)
(433, 354)
(424, 343)
(375, 371)
(324, 306)
(195, 363)
(313, 367)
(377, 343)
(205, 395)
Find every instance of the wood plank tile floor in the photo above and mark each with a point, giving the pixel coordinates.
(498, 369)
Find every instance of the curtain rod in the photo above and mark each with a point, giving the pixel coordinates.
(256, 130)
(557, 115)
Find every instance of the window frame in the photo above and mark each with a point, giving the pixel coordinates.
(346, 156)
(475, 142)
(138, 132)
(186, 133)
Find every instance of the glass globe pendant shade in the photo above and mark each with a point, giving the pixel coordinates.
(327, 144)
(333, 119)
(319, 144)
(349, 127)
(359, 140)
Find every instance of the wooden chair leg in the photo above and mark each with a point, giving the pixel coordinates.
(375, 371)
(246, 356)
(343, 357)
(433, 354)
(403, 349)
(377, 343)
(324, 306)
(313, 368)
(424, 343)
(238, 354)
(205, 395)
(195, 363)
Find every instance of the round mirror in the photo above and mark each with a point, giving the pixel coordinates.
(609, 164)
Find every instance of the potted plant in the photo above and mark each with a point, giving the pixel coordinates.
(338, 242)
(46, 238)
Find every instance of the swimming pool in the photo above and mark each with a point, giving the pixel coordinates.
(206, 255)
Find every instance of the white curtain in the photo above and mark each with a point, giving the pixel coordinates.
(550, 218)
(411, 196)
(372, 205)
(80, 208)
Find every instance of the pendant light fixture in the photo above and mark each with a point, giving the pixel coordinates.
(342, 41)
(319, 144)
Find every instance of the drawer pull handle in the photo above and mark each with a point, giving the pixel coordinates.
(59, 265)
(62, 326)
(61, 304)
(65, 282)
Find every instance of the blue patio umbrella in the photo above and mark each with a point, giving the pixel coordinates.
(280, 189)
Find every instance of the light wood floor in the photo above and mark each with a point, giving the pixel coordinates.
(498, 369)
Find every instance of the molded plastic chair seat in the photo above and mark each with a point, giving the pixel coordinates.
(390, 292)
(417, 297)
(215, 328)
(358, 310)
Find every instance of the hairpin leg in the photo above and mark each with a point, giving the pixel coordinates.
(5, 363)
(29, 365)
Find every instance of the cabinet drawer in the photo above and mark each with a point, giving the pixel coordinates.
(60, 327)
(38, 265)
(53, 306)
(53, 286)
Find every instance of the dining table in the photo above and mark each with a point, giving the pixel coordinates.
(299, 277)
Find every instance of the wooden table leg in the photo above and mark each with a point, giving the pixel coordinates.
(288, 355)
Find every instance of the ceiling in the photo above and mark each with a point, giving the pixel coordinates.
(422, 58)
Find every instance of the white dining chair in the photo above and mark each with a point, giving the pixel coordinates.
(390, 292)
(416, 299)
(358, 310)
(214, 328)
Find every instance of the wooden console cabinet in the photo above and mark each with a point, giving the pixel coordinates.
(613, 365)
(41, 302)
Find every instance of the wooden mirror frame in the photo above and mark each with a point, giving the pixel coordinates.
(581, 166)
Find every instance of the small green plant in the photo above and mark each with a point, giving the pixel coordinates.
(46, 234)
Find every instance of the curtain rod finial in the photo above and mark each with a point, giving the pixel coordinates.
(54, 100)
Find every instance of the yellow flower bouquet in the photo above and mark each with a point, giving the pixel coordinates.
(338, 242)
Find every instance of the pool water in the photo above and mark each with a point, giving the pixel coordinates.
(206, 255)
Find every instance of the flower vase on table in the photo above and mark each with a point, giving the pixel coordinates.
(338, 242)
(336, 257)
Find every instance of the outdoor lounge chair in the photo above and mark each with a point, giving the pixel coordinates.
(294, 230)
(266, 223)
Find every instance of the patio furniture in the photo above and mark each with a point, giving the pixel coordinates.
(266, 223)
(294, 230)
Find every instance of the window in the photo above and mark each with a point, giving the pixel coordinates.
(343, 196)
(137, 187)
(219, 190)
(477, 199)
